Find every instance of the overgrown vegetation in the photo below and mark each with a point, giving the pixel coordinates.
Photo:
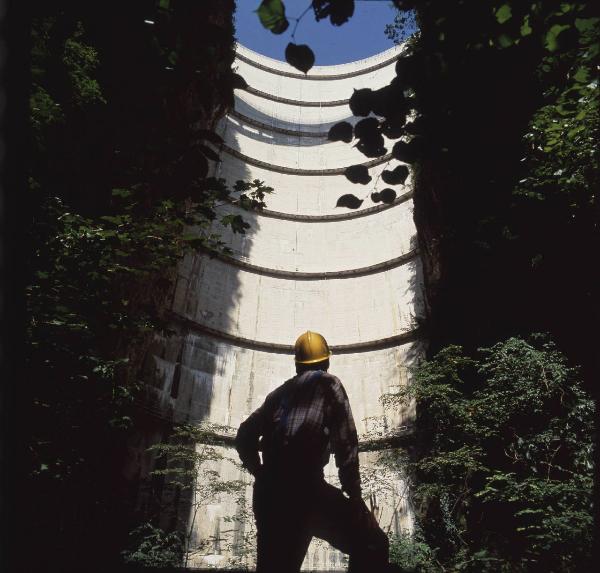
(191, 466)
(504, 471)
(122, 112)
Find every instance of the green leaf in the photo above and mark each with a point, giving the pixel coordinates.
(525, 27)
(505, 41)
(504, 13)
(586, 24)
(110, 219)
(582, 75)
(121, 192)
(552, 36)
(271, 14)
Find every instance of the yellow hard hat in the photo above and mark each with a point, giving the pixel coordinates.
(311, 348)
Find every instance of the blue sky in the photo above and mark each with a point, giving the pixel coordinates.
(362, 36)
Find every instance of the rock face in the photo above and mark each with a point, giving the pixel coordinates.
(353, 276)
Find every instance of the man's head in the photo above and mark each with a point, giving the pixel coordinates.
(311, 352)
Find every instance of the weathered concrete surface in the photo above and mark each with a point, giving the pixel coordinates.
(197, 377)
(330, 246)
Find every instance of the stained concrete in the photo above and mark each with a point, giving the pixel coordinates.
(199, 374)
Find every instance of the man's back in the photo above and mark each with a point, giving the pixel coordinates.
(300, 422)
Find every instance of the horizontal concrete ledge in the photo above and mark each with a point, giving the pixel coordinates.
(298, 102)
(266, 127)
(401, 438)
(293, 170)
(317, 276)
(379, 344)
(354, 214)
(317, 77)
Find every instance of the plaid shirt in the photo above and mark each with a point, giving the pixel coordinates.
(318, 421)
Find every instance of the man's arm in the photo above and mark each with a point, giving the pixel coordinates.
(344, 440)
(249, 433)
(246, 440)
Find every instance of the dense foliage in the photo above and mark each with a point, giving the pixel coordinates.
(122, 111)
(189, 464)
(503, 473)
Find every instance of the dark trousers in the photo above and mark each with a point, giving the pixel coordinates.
(289, 513)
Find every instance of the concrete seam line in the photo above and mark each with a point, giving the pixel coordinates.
(317, 77)
(379, 344)
(294, 171)
(297, 102)
(314, 276)
(329, 218)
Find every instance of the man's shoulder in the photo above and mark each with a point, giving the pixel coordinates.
(334, 383)
(274, 394)
(331, 379)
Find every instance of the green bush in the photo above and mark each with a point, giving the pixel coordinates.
(155, 547)
(412, 554)
(504, 466)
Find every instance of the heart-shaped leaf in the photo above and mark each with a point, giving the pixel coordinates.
(300, 56)
(366, 127)
(341, 131)
(396, 176)
(372, 146)
(387, 195)
(388, 100)
(408, 152)
(360, 102)
(357, 174)
(271, 14)
(350, 201)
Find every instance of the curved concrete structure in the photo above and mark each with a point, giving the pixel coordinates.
(305, 264)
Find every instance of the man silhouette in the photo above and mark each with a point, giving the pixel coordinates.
(296, 428)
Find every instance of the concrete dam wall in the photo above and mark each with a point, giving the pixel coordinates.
(352, 275)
